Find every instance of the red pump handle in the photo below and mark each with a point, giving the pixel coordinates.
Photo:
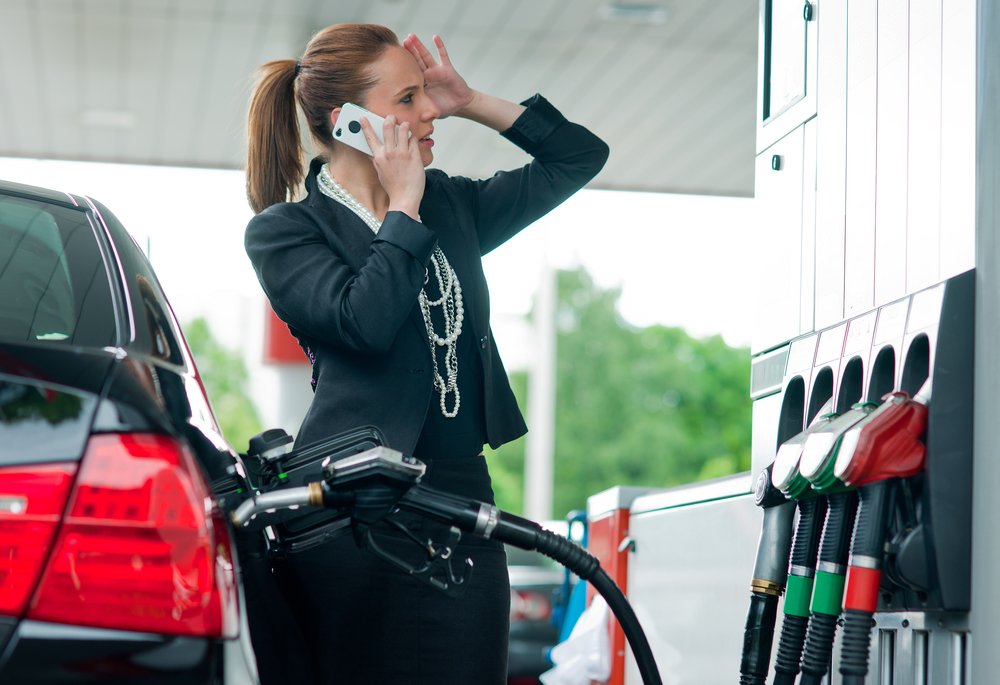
(891, 446)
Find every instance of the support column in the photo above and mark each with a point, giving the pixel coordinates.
(984, 658)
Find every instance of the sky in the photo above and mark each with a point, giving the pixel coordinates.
(679, 260)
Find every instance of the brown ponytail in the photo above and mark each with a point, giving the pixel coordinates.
(333, 70)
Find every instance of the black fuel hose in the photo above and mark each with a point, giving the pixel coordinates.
(828, 593)
(801, 573)
(758, 636)
(486, 521)
(864, 575)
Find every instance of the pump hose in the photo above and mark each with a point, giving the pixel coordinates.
(864, 576)
(488, 522)
(587, 567)
(758, 635)
(801, 572)
(828, 593)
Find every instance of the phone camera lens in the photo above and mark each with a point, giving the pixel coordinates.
(354, 126)
(339, 132)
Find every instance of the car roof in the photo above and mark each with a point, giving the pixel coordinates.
(47, 194)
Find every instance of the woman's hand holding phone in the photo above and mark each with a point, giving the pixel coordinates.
(398, 164)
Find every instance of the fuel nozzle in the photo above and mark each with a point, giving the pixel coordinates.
(270, 449)
(786, 473)
(880, 452)
(769, 577)
(822, 447)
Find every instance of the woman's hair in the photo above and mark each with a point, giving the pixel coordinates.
(333, 70)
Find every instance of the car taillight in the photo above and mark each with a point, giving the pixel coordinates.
(140, 548)
(526, 605)
(32, 499)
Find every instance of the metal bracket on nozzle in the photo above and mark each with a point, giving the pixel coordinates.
(435, 569)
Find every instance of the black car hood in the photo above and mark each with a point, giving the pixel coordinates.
(48, 397)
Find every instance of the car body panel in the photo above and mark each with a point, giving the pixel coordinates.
(136, 375)
(56, 653)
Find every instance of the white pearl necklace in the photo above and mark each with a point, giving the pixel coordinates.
(450, 301)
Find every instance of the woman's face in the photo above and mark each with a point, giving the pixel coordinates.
(399, 90)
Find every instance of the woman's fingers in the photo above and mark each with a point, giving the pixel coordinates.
(402, 133)
(370, 135)
(442, 51)
(389, 132)
(394, 137)
(419, 52)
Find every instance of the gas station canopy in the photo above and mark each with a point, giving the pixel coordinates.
(670, 84)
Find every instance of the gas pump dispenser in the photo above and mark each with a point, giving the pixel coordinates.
(894, 472)
(811, 509)
(771, 573)
(818, 457)
(826, 515)
(877, 453)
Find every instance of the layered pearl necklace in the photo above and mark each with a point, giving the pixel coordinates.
(450, 301)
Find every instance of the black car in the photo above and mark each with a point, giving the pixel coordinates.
(116, 564)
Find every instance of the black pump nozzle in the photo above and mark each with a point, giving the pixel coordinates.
(769, 577)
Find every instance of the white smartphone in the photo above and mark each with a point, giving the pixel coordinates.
(348, 127)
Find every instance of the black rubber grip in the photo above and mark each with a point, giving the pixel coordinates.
(840, 511)
(807, 532)
(758, 636)
(565, 551)
(855, 643)
(793, 636)
(818, 648)
(874, 507)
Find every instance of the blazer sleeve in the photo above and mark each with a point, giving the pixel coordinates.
(566, 157)
(318, 293)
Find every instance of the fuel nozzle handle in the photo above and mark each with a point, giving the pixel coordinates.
(769, 577)
(775, 543)
(828, 591)
(317, 494)
(864, 576)
(801, 575)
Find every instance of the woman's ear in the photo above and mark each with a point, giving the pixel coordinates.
(334, 113)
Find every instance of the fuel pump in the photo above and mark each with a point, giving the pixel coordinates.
(816, 466)
(877, 454)
(811, 509)
(771, 569)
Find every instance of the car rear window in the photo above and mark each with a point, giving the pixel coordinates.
(54, 286)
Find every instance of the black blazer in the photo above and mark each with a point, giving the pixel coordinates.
(350, 297)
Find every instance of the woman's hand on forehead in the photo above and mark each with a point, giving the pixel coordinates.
(442, 82)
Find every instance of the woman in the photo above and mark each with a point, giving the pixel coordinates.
(378, 274)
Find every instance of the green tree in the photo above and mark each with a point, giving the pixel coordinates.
(507, 462)
(634, 406)
(225, 377)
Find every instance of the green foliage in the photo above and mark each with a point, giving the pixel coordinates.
(225, 377)
(507, 462)
(634, 406)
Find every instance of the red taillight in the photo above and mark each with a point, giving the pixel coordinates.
(139, 549)
(32, 499)
(526, 605)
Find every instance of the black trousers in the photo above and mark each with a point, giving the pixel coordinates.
(363, 621)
